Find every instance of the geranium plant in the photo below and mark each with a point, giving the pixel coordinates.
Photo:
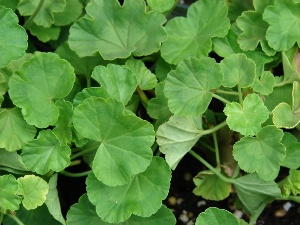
(129, 88)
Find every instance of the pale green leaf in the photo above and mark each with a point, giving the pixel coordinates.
(254, 28)
(264, 84)
(177, 136)
(8, 198)
(117, 32)
(262, 154)
(291, 184)
(44, 34)
(118, 81)
(146, 79)
(188, 87)
(292, 146)
(211, 187)
(14, 132)
(125, 139)
(72, 11)
(215, 216)
(45, 153)
(89, 92)
(11, 160)
(42, 79)
(44, 16)
(238, 70)
(160, 5)
(287, 116)
(191, 36)
(52, 200)
(283, 18)
(13, 39)
(246, 119)
(141, 196)
(33, 190)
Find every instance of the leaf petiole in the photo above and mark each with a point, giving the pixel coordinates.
(214, 129)
(143, 97)
(16, 219)
(31, 18)
(220, 98)
(227, 92)
(69, 174)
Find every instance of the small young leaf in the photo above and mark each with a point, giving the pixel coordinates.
(292, 146)
(43, 78)
(211, 187)
(46, 153)
(118, 81)
(15, 132)
(33, 189)
(188, 87)
(191, 36)
(238, 70)
(160, 5)
(283, 18)
(45, 16)
(146, 79)
(246, 119)
(44, 34)
(141, 196)
(292, 183)
(176, 137)
(264, 84)
(124, 30)
(13, 39)
(215, 216)
(8, 198)
(71, 12)
(262, 154)
(125, 139)
(286, 116)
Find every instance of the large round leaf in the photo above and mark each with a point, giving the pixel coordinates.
(125, 139)
(141, 196)
(13, 38)
(41, 80)
(8, 194)
(117, 32)
(188, 87)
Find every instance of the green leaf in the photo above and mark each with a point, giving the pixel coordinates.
(279, 94)
(45, 34)
(292, 146)
(254, 28)
(52, 200)
(72, 11)
(210, 186)
(8, 198)
(141, 196)
(62, 128)
(162, 68)
(287, 116)
(253, 191)
(146, 79)
(13, 39)
(177, 136)
(237, 7)
(283, 18)
(41, 80)
(89, 92)
(238, 70)
(118, 81)
(12, 4)
(125, 139)
(160, 5)
(188, 87)
(11, 160)
(158, 106)
(44, 16)
(215, 216)
(46, 153)
(117, 31)
(3, 88)
(264, 84)
(262, 154)
(15, 132)
(246, 119)
(33, 189)
(191, 36)
(290, 61)
(291, 184)
(82, 66)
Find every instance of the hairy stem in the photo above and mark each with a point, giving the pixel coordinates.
(31, 18)
(15, 218)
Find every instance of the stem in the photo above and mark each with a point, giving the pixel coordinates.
(31, 18)
(1, 218)
(16, 219)
(254, 217)
(206, 146)
(69, 174)
(240, 95)
(75, 162)
(220, 98)
(227, 92)
(214, 129)
(282, 84)
(143, 97)
(215, 171)
(216, 149)
(88, 81)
